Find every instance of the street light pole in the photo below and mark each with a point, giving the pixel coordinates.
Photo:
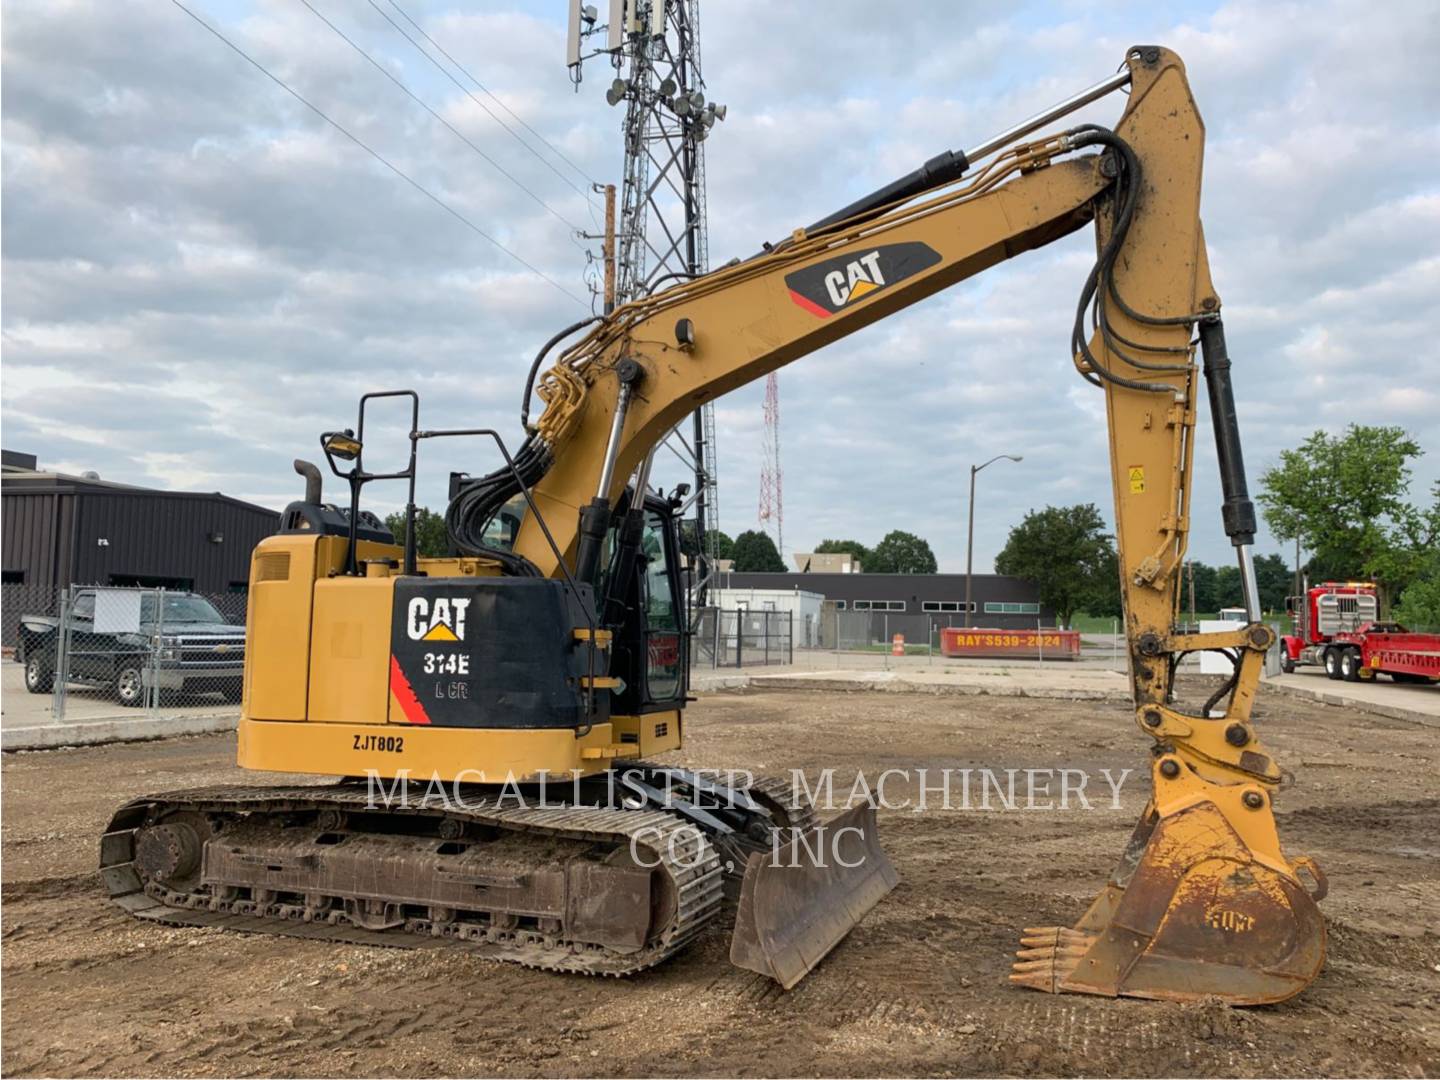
(970, 544)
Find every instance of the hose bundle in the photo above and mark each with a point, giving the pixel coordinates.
(1100, 289)
(478, 501)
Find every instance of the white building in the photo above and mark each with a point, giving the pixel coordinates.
(804, 609)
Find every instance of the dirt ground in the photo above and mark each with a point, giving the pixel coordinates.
(918, 988)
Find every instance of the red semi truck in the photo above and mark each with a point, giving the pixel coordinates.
(1337, 626)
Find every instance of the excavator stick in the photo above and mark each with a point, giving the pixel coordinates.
(1197, 907)
(798, 901)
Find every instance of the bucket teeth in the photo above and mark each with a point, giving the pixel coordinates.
(1192, 912)
(1048, 957)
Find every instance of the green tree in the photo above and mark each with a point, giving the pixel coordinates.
(1344, 497)
(431, 539)
(1064, 551)
(1275, 579)
(1202, 575)
(755, 553)
(1219, 587)
(1417, 554)
(1229, 592)
(845, 547)
(1104, 595)
(901, 553)
(1419, 606)
(719, 543)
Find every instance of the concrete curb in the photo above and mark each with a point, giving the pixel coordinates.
(896, 683)
(1326, 697)
(889, 682)
(707, 684)
(98, 732)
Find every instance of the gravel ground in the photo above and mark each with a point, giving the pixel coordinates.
(918, 988)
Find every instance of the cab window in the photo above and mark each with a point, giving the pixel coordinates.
(662, 617)
(502, 529)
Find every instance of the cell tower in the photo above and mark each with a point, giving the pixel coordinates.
(772, 487)
(654, 47)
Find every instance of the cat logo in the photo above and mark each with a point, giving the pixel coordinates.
(440, 620)
(858, 278)
(836, 283)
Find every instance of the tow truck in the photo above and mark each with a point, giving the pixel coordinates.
(1337, 627)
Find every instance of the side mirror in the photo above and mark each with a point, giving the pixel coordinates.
(341, 444)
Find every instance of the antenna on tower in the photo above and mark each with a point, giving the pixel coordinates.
(654, 48)
(772, 488)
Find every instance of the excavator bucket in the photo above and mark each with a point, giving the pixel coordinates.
(798, 902)
(1192, 911)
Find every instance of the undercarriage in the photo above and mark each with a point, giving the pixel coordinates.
(602, 877)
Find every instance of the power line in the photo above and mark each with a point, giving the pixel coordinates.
(464, 71)
(376, 155)
(453, 130)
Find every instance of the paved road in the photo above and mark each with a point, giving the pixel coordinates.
(1377, 693)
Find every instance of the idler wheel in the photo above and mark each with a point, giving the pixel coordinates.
(170, 852)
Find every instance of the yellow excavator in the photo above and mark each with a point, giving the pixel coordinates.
(495, 717)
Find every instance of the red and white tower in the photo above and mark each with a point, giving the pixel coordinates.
(772, 488)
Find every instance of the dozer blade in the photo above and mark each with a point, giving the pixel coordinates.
(797, 903)
(1192, 911)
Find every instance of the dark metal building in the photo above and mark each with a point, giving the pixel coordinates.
(911, 604)
(61, 530)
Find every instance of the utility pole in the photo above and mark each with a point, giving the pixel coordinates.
(608, 251)
(970, 544)
(1190, 573)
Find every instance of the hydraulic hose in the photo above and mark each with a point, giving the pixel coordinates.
(539, 359)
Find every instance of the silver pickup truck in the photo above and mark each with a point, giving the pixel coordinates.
(184, 645)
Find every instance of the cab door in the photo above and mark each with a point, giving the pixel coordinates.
(660, 600)
(650, 652)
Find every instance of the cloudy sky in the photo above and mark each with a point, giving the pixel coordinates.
(200, 274)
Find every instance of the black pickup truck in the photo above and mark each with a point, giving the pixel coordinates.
(186, 646)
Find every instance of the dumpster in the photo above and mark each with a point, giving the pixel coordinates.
(1026, 644)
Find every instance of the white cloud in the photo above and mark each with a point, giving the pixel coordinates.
(200, 275)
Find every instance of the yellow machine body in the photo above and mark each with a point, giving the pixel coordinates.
(318, 695)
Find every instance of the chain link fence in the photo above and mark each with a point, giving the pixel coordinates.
(867, 639)
(741, 637)
(874, 631)
(91, 652)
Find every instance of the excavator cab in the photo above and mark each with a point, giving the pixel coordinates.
(649, 651)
